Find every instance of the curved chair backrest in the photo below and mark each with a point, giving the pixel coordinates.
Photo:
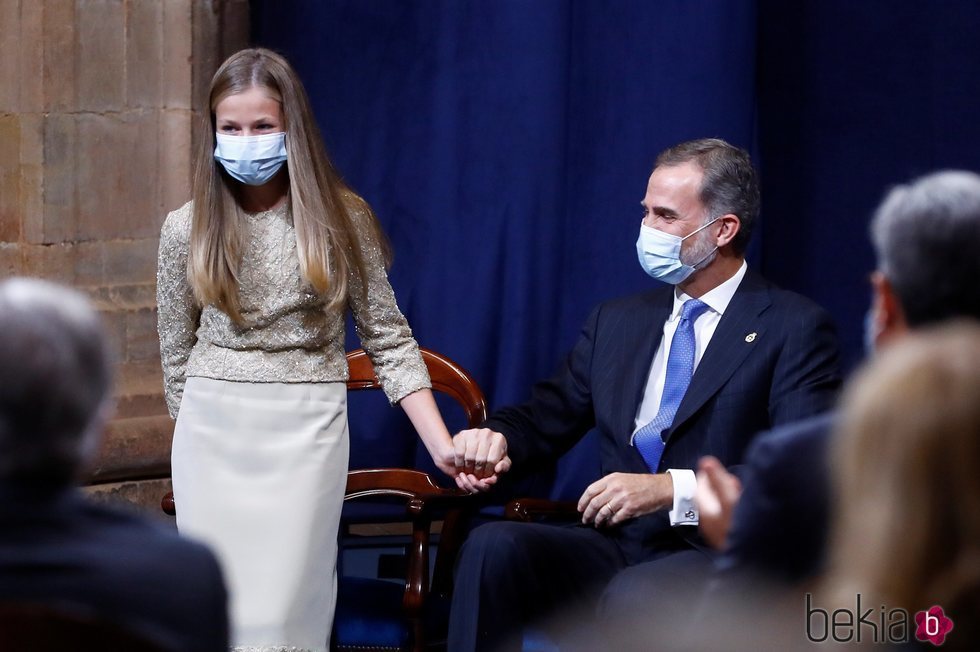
(30, 627)
(358, 625)
(447, 377)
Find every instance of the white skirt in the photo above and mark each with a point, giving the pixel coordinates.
(259, 471)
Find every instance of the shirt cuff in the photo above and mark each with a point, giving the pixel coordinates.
(685, 511)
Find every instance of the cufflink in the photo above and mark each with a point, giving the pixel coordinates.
(750, 337)
(689, 514)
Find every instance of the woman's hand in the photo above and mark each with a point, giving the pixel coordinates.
(445, 459)
(480, 456)
(473, 458)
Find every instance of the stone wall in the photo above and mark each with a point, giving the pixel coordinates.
(98, 116)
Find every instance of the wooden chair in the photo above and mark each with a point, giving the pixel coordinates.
(380, 615)
(30, 627)
(362, 622)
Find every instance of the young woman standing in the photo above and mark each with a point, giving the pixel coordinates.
(255, 276)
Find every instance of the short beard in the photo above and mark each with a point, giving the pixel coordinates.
(701, 253)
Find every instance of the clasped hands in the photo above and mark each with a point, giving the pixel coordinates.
(480, 457)
(477, 458)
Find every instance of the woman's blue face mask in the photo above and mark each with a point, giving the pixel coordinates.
(253, 160)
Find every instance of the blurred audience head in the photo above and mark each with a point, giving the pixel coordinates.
(906, 468)
(55, 377)
(926, 236)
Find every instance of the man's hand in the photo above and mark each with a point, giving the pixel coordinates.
(480, 455)
(621, 496)
(718, 493)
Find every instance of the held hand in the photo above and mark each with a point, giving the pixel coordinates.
(471, 484)
(618, 497)
(445, 460)
(481, 453)
(718, 493)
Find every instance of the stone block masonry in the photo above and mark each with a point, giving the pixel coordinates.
(98, 104)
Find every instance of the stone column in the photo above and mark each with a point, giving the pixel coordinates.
(99, 106)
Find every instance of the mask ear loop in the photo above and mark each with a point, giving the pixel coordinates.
(701, 228)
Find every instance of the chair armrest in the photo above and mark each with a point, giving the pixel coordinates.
(414, 486)
(530, 509)
(418, 488)
(422, 495)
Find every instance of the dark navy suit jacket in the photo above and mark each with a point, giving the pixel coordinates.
(61, 550)
(779, 528)
(773, 359)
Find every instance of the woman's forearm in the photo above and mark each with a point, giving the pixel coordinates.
(424, 414)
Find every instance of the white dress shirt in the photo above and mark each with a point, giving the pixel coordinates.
(684, 511)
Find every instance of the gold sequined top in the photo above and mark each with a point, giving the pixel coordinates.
(288, 335)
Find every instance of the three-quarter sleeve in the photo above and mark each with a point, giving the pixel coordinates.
(177, 311)
(382, 328)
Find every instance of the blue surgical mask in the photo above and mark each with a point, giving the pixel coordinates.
(660, 254)
(253, 160)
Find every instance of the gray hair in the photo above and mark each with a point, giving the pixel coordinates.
(926, 236)
(729, 185)
(55, 377)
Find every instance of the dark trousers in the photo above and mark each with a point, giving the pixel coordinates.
(510, 575)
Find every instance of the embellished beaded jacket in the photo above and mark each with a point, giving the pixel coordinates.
(288, 334)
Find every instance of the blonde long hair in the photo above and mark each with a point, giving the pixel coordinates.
(906, 463)
(322, 204)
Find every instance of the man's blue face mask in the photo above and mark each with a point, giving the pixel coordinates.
(660, 254)
(253, 160)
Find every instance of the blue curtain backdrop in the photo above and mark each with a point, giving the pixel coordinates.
(505, 144)
(855, 97)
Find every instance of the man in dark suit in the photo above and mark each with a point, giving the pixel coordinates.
(926, 236)
(57, 549)
(694, 368)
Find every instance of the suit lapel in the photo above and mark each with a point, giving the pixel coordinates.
(730, 344)
(646, 331)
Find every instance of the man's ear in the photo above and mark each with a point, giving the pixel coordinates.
(730, 225)
(888, 310)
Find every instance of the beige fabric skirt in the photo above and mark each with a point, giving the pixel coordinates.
(259, 471)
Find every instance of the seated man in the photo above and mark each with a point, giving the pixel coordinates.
(58, 549)
(926, 236)
(693, 368)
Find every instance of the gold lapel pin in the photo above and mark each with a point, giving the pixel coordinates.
(750, 337)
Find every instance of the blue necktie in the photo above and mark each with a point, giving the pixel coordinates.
(680, 367)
